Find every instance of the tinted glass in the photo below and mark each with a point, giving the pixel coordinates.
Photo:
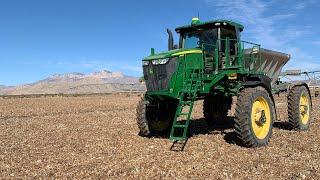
(232, 35)
(191, 39)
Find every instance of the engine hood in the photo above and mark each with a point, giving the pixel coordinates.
(173, 53)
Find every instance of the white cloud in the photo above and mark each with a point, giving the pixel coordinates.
(259, 26)
(304, 4)
(302, 60)
(300, 5)
(272, 31)
(316, 43)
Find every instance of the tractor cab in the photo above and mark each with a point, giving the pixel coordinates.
(218, 38)
(209, 33)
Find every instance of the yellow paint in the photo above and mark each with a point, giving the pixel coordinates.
(233, 76)
(261, 130)
(304, 108)
(187, 52)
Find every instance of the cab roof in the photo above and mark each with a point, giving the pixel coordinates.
(210, 23)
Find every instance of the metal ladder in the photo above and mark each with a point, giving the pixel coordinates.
(187, 98)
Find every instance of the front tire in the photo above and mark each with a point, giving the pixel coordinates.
(254, 117)
(155, 118)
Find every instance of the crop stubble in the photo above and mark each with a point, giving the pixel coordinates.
(96, 136)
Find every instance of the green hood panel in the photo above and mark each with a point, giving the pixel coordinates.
(172, 53)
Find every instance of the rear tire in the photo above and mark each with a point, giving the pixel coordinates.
(155, 118)
(215, 109)
(299, 108)
(254, 117)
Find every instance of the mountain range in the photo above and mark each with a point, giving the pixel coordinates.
(78, 83)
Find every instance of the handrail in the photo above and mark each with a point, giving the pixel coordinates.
(238, 59)
(251, 43)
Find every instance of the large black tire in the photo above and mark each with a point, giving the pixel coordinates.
(141, 118)
(155, 118)
(215, 109)
(254, 117)
(299, 108)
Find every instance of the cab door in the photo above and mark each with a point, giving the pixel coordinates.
(228, 46)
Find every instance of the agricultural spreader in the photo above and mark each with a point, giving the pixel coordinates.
(212, 63)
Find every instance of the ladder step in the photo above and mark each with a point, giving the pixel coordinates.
(183, 114)
(174, 138)
(180, 125)
(188, 91)
(184, 103)
(191, 86)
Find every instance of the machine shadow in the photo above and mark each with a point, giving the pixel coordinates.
(200, 126)
(284, 125)
(231, 137)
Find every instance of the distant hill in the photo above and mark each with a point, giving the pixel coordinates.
(78, 83)
(6, 89)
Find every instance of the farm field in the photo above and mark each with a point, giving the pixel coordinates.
(97, 137)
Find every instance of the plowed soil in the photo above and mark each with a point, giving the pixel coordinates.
(97, 137)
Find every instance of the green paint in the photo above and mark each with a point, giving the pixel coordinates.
(205, 70)
(212, 22)
(195, 21)
(169, 54)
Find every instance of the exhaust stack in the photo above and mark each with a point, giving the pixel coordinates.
(170, 40)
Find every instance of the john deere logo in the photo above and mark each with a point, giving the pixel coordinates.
(151, 71)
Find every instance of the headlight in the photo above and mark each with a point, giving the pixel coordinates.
(145, 63)
(163, 61)
(160, 61)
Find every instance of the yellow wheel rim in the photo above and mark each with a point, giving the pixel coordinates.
(260, 118)
(304, 108)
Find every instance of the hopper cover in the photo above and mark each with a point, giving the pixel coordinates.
(271, 62)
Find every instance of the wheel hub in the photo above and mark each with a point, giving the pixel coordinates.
(304, 109)
(261, 118)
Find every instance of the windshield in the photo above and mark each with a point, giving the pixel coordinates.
(191, 39)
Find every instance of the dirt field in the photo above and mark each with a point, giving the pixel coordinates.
(82, 137)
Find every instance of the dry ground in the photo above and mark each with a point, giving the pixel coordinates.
(82, 137)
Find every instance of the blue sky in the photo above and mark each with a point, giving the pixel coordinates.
(39, 38)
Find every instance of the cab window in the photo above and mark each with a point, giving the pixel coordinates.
(231, 33)
(192, 39)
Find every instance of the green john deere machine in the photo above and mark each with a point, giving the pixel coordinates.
(212, 63)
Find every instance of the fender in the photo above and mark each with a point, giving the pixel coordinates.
(258, 80)
(261, 80)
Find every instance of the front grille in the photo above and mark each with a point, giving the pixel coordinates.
(157, 77)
